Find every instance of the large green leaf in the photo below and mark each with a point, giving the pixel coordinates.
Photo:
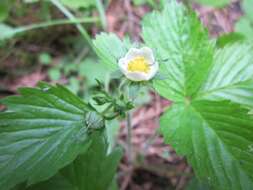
(43, 131)
(95, 169)
(216, 138)
(231, 75)
(182, 49)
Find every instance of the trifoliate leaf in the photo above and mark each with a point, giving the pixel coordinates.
(110, 49)
(95, 169)
(43, 131)
(216, 138)
(231, 75)
(182, 49)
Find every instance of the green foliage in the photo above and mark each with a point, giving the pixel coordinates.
(95, 168)
(230, 76)
(215, 135)
(216, 138)
(179, 47)
(43, 131)
(214, 3)
(110, 48)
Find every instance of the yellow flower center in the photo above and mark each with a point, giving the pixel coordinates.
(138, 64)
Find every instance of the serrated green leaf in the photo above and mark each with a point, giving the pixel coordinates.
(216, 138)
(110, 48)
(94, 169)
(231, 76)
(43, 131)
(182, 49)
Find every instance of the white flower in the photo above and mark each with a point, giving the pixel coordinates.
(139, 64)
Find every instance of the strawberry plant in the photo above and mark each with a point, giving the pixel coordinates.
(48, 133)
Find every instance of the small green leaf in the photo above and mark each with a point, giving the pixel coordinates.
(216, 138)
(110, 48)
(95, 169)
(42, 131)
(178, 49)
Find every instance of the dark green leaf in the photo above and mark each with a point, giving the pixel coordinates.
(95, 169)
(43, 131)
(216, 138)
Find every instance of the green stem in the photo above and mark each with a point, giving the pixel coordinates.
(54, 23)
(69, 15)
(129, 137)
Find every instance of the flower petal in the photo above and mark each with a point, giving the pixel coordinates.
(147, 53)
(153, 70)
(136, 76)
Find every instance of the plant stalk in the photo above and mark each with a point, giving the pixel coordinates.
(129, 136)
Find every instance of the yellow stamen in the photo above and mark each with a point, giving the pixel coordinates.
(138, 64)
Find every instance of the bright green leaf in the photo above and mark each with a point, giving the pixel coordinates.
(182, 49)
(216, 138)
(95, 169)
(43, 131)
(110, 48)
(231, 75)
